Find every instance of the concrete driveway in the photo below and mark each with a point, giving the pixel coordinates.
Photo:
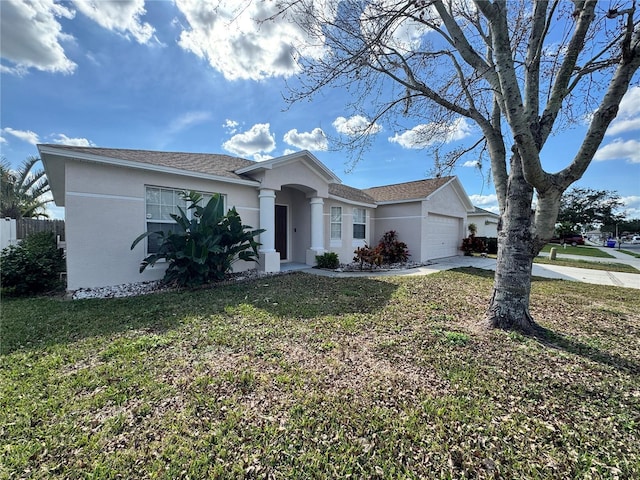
(598, 277)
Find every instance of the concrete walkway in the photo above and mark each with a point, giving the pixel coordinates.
(598, 277)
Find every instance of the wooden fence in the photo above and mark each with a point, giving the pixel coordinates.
(27, 226)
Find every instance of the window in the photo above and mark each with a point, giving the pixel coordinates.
(161, 203)
(336, 223)
(359, 223)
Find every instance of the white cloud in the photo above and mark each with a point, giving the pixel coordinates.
(356, 125)
(186, 120)
(422, 136)
(3, 140)
(231, 126)
(471, 164)
(631, 206)
(488, 202)
(77, 142)
(313, 140)
(232, 38)
(24, 135)
(255, 142)
(628, 118)
(120, 17)
(31, 36)
(620, 125)
(619, 149)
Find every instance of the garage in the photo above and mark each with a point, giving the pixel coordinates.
(443, 237)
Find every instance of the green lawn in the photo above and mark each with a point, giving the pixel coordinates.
(578, 250)
(598, 265)
(300, 376)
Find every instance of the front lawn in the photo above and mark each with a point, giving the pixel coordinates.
(301, 376)
(593, 265)
(578, 250)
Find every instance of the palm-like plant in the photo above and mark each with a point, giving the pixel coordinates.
(22, 192)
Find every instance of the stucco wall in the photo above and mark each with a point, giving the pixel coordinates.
(406, 220)
(347, 244)
(293, 173)
(487, 226)
(446, 202)
(105, 212)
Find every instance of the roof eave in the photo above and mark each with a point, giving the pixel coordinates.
(352, 202)
(44, 149)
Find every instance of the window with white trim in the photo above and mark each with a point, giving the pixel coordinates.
(336, 223)
(160, 204)
(359, 223)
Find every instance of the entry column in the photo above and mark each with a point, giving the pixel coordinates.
(317, 230)
(269, 258)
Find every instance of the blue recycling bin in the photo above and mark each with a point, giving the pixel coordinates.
(611, 243)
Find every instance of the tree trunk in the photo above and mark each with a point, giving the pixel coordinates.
(509, 305)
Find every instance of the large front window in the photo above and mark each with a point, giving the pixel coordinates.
(161, 203)
(359, 223)
(336, 223)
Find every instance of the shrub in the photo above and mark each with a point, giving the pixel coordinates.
(205, 246)
(391, 249)
(328, 260)
(472, 244)
(367, 255)
(33, 266)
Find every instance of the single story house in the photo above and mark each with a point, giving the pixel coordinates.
(112, 195)
(486, 222)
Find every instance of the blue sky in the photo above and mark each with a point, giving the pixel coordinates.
(178, 75)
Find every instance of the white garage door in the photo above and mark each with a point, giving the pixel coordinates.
(443, 236)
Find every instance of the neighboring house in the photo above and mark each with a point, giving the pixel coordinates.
(112, 195)
(486, 222)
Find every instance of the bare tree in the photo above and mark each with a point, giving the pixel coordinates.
(520, 70)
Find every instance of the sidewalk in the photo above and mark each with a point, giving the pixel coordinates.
(598, 277)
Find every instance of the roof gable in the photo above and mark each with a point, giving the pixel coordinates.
(303, 156)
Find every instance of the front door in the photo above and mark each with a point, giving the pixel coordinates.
(281, 231)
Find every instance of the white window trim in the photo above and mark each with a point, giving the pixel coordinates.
(335, 241)
(169, 221)
(359, 223)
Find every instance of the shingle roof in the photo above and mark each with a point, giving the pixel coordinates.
(207, 163)
(407, 191)
(482, 211)
(350, 193)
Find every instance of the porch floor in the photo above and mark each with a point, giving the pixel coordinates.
(293, 266)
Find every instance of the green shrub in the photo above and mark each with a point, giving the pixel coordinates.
(33, 266)
(204, 247)
(328, 260)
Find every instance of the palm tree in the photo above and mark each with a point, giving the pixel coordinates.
(22, 192)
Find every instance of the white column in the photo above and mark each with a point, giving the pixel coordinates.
(317, 230)
(269, 258)
(267, 219)
(317, 224)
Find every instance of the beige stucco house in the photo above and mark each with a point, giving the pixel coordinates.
(112, 195)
